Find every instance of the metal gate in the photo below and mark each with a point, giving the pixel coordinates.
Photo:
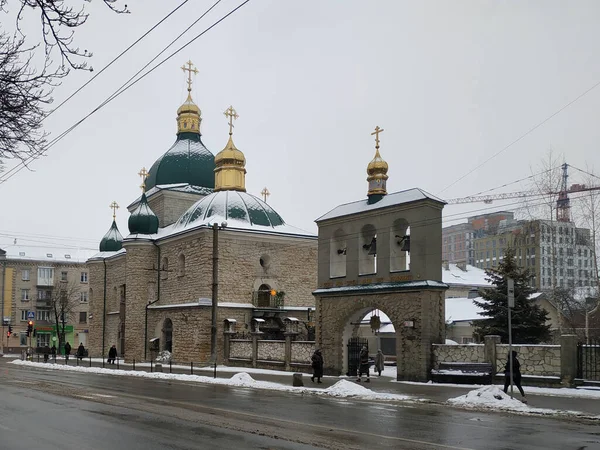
(588, 360)
(355, 344)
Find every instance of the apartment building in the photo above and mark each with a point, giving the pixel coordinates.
(31, 278)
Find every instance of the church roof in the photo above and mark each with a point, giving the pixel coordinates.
(112, 240)
(397, 198)
(143, 220)
(240, 210)
(187, 161)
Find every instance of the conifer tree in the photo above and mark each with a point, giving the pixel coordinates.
(529, 320)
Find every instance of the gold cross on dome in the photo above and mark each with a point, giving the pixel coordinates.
(265, 193)
(376, 134)
(144, 174)
(189, 70)
(232, 114)
(114, 206)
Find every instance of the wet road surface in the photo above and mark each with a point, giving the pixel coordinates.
(46, 409)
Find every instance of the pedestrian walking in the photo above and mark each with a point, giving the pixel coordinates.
(67, 351)
(53, 351)
(317, 366)
(112, 354)
(516, 367)
(379, 362)
(80, 351)
(46, 352)
(363, 366)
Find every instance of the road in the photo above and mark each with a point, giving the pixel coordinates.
(45, 409)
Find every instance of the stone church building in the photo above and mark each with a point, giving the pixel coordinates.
(195, 232)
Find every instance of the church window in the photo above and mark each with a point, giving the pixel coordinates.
(167, 335)
(181, 265)
(265, 261)
(263, 296)
(337, 255)
(84, 277)
(164, 268)
(84, 297)
(63, 276)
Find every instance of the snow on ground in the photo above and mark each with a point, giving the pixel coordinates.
(581, 392)
(342, 388)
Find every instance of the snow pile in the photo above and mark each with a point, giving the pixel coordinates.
(345, 388)
(489, 397)
(242, 379)
(164, 357)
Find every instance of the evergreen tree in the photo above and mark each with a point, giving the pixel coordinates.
(528, 319)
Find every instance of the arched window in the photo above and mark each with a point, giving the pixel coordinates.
(164, 268)
(263, 297)
(337, 255)
(168, 335)
(400, 246)
(181, 265)
(367, 250)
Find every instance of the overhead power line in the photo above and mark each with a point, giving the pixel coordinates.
(129, 84)
(527, 133)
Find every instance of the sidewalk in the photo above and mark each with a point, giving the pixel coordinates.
(586, 401)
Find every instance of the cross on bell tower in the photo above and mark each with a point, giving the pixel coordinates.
(144, 174)
(232, 115)
(189, 70)
(114, 206)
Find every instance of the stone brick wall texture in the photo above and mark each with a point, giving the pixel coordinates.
(302, 352)
(413, 344)
(240, 349)
(458, 353)
(271, 350)
(541, 360)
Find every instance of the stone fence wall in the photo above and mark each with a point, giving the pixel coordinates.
(559, 361)
(287, 355)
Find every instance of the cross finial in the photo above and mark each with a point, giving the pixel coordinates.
(232, 114)
(144, 174)
(265, 193)
(189, 70)
(376, 134)
(114, 206)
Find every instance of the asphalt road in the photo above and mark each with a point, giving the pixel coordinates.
(45, 409)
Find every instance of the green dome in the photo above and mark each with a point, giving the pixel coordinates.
(238, 208)
(187, 161)
(112, 240)
(142, 219)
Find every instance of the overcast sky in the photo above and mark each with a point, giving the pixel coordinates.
(452, 83)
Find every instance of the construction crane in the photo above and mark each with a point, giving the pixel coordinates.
(563, 205)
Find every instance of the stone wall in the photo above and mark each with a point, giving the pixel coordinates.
(457, 353)
(541, 360)
(241, 349)
(271, 350)
(302, 352)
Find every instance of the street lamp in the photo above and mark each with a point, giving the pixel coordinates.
(215, 294)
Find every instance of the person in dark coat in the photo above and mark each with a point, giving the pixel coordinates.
(364, 364)
(67, 351)
(53, 351)
(46, 352)
(516, 373)
(317, 366)
(379, 362)
(112, 354)
(80, 351)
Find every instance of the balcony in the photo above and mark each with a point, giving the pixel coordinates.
(264, 299)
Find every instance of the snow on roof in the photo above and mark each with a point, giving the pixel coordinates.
(103, 255)
(48, 253)
(473, 276)
(396, 198)
(462, 309)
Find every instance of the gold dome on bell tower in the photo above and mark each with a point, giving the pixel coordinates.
(189, 114)
(377, 172)
(230, 163)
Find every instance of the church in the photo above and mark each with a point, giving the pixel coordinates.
(197, 239)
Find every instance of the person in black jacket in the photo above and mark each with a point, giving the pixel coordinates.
(363, 364)
(516, 373)
(317, 366)
(112, 354)
(67, 351)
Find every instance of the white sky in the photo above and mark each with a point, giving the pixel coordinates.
(451, 83)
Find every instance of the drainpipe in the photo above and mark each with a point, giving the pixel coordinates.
(104, 309)
(151, 303)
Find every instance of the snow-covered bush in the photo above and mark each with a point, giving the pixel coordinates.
(164, 357)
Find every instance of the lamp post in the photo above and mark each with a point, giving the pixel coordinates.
(215, 294)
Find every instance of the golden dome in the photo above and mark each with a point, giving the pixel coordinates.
(188, 106)
(230, 155)
(377, 171)
(377, 165)
(230, 163)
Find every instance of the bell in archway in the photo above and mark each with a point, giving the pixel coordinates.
(373, 247)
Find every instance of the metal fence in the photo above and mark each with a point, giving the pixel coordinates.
(588, 361)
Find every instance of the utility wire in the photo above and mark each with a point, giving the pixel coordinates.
(528, 132)
(125, 87)
(584, 172)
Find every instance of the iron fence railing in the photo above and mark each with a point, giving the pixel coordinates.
(588, 361)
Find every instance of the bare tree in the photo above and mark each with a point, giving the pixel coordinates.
(63, 303)
(26, 91)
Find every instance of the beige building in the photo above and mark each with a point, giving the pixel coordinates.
(31, 278)
(197, 237)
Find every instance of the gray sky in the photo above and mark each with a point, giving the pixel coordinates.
(451, 83)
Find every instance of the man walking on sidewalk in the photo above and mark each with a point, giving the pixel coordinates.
(363, 366)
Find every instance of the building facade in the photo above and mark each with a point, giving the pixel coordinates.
(33, 280)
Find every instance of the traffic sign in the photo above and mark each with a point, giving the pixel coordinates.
(31, 315)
